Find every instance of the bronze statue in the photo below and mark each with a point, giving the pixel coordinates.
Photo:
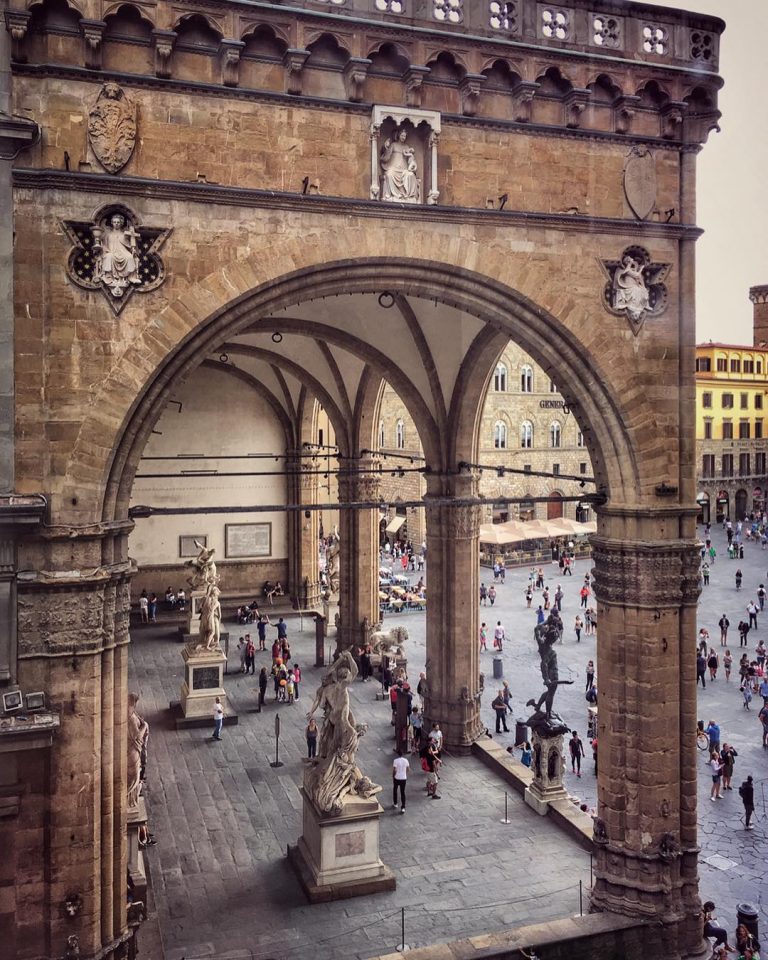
(547, 634)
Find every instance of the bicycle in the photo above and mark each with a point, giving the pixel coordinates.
(702, 740)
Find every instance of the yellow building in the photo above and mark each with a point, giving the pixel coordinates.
(731, 386)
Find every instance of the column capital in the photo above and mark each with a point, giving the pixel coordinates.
(651, 574)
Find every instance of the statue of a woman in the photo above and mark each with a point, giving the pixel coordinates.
(630, 292)
(116, 254)
(138, 731)
(399, 180)
(210, 620)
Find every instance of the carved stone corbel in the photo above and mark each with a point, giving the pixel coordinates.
(163, 41)
(355, 72)
(672, 119)
(470, 86)
(293, 61)
(575, 104)
(624, 112)
(414, 79)
(16, 23)
(93, 31)
(230, 51)
(522, 96)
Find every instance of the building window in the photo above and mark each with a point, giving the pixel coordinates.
(448, 11)
(735, 366)
(526, 379)
(727, 430)
(749, 366)
(758, 401)
(722, 365)
(758, 366)
(703, 365)
(743, 464)
(527, 468)
(500, 379)
(526, 434)
(555, 433)
(727, 401)
(382, 435)
(400, 435)
(744, 401)
(582, 468)
(706, 401)
(552, 386)
(758, 429)
(727, 464)
(500, 435)
(708, 465)
(556, 469)
(580, 439)
(743, 429)
(707, 429)
(760, 464)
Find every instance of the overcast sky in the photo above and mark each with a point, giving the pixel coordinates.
(732, 256)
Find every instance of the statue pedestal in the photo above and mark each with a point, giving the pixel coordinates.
(137, 817)
(547, 769)
(203, 682)
(338, 857)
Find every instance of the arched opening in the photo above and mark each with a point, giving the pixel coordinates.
(741, 503)
(703, 505)
(555, 505)
(723, 507)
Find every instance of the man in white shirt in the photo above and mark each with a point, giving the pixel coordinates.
(218, 719)
(400, 767)
(498, 636)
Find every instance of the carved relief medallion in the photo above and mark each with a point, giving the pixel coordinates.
(635, 287)
(115, 254)
(640, 181)
(112, 128)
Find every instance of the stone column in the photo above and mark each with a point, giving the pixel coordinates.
(453, 660)
(646, 849)
(303, 536)
(359, 556)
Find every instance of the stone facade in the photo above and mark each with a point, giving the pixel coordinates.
(255, 160)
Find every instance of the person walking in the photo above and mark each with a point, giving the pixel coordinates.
(431, 763)
(498, 636)
(417, 723)
(713, 662)
(218, 719)
(262, 687)
(761, 596)
(528, 596)
(705, 573)
(747, 794)
(763, 718)
(559, 599)
(492, 594)
(723, 623)
(727, 663)
(590, 675)
(717, 770)
(577, 627)
(500, 709)
(296, 680)
(144, 607)
(743, 632)
(483, 595)
(760, 653)
(576, 749)
(400, 767)
(250, 655)
(311, 734)
(752, 611)
(738, 578)
(701, 671)
(540, 618)
(483, 637)
(584, 594)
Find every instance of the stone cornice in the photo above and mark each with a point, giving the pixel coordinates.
(145, 82)
(109, 186)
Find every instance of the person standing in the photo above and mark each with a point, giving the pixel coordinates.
(218, 719)
(144, 607)
(713, 663)
(576, 749)
(153, 608)
(250, 655)
(728, 758)
(705, 573)
(528, 596)
(712, 730)
(590, 675)
(752, 611)
(296, 680)
(432, 764)
(559, 599)
(739, 578)
(577, 627)
(526, 754)
(761, 596)
(760, 653)
(727, 663)
(492, 594)
(506, 693)
(500, 708)
(763, 718)
(417, 722)
(743, 633)
(282, 630)
(311, 734)
(747, 794)
(241, 652)
(436, 739)
(483, 595)
(717, 771)
(261, 627)
(262, 687)
(540, 618)
(701, 670)
(421, 688)
(498, 636)
(723, 623)
(400, 766)
(483, 637)
(584, 594)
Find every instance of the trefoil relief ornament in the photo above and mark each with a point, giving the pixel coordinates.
(404, 155)
(635, 286)
(112, 128)
(115, 254)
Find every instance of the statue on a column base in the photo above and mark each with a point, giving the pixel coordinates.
(545, 722)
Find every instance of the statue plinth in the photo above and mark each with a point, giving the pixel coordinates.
(547, 769)
(337, 857)
(203, 682)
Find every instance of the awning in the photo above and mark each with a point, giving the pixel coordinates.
(394, 524)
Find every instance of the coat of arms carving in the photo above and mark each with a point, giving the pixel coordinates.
(112, 128)
(635, 287)
(115, 254)
(640, 181)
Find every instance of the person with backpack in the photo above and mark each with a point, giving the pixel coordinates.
(747, 794)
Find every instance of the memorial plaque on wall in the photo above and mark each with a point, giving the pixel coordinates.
(205, 678)
(248, 539)
(187, 547)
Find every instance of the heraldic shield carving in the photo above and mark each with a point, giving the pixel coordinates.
(115, 254)
(635, 287)
(112, 128)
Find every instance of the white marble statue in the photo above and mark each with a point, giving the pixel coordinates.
(332, 564)
(399, 170)
(138, 734)
(205, 568)
(210, 620)
(390, 643)
(630, 292)
(115, 250)
(334, 778)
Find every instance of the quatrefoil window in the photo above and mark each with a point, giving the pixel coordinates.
(605, 32)
(449, 11)
(503, 15)
(390, 6)
(655, 40)
(702, 46)
(554, 24)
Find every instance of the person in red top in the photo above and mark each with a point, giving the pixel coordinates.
(393, 692)
(584, 594)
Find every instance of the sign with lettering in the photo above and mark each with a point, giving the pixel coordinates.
(551, 404)
(205, 678)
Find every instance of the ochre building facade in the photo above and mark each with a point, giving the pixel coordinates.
(315, 200)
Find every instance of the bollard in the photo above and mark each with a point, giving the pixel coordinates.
(506, 809)
(402, 947)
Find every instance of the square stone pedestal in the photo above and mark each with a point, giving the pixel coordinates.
(203, 682)
(338, 857)
(137, 817)
(547, 769)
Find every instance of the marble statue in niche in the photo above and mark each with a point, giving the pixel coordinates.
(635, 286)
(630, 292)
(115, 248)
(399, 170)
